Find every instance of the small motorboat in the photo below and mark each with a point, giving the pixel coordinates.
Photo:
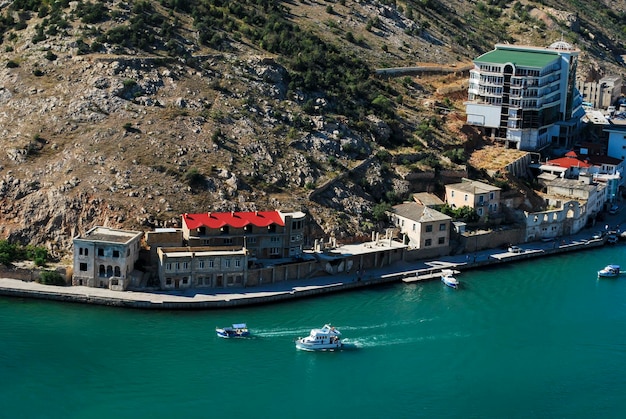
(609, 271)
(325, 339)
(447, 277)
(238, 330)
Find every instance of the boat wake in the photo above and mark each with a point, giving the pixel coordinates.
(386, 340)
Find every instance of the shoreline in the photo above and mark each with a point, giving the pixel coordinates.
(198, 299)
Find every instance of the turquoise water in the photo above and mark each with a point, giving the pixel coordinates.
(537, 339)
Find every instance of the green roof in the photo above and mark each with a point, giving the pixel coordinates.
(537, 59)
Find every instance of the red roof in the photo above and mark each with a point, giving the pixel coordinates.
(568, 161)
(233, 219)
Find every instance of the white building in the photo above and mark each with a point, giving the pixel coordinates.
(105, 258)
(526, 96)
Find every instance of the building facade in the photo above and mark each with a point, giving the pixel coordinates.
(601, 94)
(265, 234)
(202, 267)
(526, 96)
(105, 258)
(484, 198)
(422, 227)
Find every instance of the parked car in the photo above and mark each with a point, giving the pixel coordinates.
(613, 210)
(515, 249)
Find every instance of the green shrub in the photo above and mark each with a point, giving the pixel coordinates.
(12, 64)
(51, 278)
(194, 178)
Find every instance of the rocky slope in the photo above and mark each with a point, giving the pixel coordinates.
(128, 138)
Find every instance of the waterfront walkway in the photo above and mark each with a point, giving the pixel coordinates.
(286, 290)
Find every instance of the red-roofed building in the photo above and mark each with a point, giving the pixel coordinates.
(568, 166)
(265, 234)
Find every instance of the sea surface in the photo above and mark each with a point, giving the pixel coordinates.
(537, 339)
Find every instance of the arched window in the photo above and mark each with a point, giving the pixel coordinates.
(101, 271)
(117, 271)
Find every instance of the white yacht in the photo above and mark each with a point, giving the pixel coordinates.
(447, 277)
(324, 339)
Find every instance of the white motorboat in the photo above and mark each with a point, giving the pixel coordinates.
(609, 271)
(448, 278)
(325, 339)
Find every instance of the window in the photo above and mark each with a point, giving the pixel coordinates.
(101, 270)
(414, 226)
(227, 263)
(492, 195)
(83, 267)
(128, 252)
(428, 242)
(168, 281)
(442, 227)
(177, 266)
(429, 228)
(83, 251)
(185, 265)
(100, 252)
(275, 239)
(251, 240)
(237, 263)
(116, 253)
(465, 197)
(228, 241)
(452, 194)
(442, 240)
(211, 263)
(274, 251)
(200, 264)
(117, 271)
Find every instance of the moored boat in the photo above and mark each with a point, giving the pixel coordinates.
(238, 330)
(448, 278)
(609, 271)
(324, 339)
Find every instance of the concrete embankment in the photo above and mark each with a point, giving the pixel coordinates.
(278, 292)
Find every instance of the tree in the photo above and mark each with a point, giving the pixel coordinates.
(379, 212)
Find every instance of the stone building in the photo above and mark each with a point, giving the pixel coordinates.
(202, 267)
(105, 258)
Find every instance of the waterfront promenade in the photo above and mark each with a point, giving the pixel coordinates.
(287, 290)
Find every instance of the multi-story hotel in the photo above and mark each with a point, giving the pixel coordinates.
(526, 96)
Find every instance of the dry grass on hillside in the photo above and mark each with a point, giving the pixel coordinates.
(494, 157)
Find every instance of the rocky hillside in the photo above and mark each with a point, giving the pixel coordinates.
(128, 114)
